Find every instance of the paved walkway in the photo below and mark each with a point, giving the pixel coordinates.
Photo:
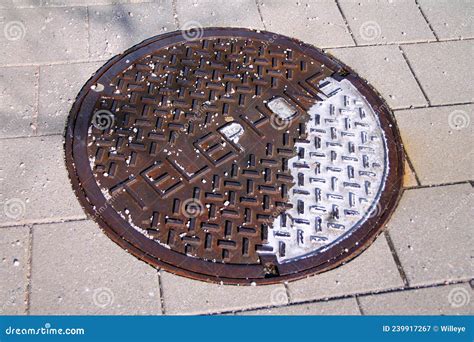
(417, 53)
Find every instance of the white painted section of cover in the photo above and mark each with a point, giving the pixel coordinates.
(338, 178)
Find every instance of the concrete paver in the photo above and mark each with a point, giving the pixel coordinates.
(381, 22)
(444, 69)
(432, 234)
(114, 29)
(244, 13)
(346, 306)
(59, 86)
(29, 34)
(13, 270)
(456, 299)
(385, 68)
(435, 140)
(77, 270)
(450, 19)
(373, 270)
(18, 89)
(186, 296)
(318, 22)
(34, 183)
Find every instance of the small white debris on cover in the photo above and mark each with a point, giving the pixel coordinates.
(339, 173)
(233, 131)
(282, 108)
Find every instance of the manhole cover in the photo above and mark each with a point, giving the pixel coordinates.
(237, 157)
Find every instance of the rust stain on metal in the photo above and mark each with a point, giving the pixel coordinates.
(237, 157)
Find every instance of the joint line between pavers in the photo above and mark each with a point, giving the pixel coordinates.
(346, 22)
(174, 8)
(360, 294)
(401, 271)
(88, 33)
(29, 271)
(35, 114)
(469, 181)
(414, 75)
(359, 305)
(160, 291)
(257, 2)
(426, 19)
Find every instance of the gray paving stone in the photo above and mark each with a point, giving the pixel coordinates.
(373, 270)
(59, 86)
(186, 296)
(386, 69)
(13, 270)
(315, 22)
(19, 3)
(444, 69)
(34, 183)
(432, 234)
(239, 13)
(347, 306)
(454, 299)
(18, 92)
(78, 270)
(437, 142)
(381, 22)
(450, 19)
(37, 35)
(113, 29)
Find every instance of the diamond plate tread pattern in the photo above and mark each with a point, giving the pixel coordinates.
(168, 149)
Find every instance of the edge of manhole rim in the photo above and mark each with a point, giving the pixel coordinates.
(396, 156)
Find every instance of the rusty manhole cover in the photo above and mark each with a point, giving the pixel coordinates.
(238, 157)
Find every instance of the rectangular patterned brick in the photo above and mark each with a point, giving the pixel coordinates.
(454, 299)
(59, 86)
(384, 22)
(239, 13)
(185, 296)
(450, 19)
(86, 273)
(38, 35)
(19, 3)
(386, 69)
(432, 234)
(35, 178)
(314, 22)
(374, 270)
(346, 306)
(441, 69)
(14, 261)
(18, 93)
(435, 140)
(113, 29)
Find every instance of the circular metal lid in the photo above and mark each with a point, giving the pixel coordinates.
(234, 156)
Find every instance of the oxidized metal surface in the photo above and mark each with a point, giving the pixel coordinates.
(237, 157)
